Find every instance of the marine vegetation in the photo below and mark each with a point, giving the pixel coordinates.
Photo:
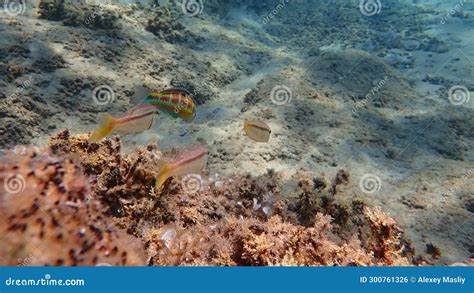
(236, 133)
(89, 204)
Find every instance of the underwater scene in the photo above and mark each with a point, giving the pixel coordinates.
(236, 133)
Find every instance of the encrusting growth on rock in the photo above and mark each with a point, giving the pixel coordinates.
(49, 218)
(81, 200)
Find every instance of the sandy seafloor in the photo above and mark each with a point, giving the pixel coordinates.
(329, 55)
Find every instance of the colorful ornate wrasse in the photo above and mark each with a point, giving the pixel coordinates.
(135, 120)
(257, 130)
(176, 102)
(190, 161)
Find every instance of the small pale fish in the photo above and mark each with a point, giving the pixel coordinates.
(190, 161)
(257, 130)
(176, 102)
(135, 120)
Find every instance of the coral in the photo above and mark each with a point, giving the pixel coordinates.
(242, 220)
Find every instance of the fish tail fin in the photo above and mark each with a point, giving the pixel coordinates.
(246, 124)
(140, 95)
(164, 173)
(106, 126)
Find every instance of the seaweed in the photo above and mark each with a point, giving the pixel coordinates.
(52, 219)
(83, 188)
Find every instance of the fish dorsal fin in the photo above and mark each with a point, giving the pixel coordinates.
(176, 90)
(191, 152)
(258, 124)
(141, 109)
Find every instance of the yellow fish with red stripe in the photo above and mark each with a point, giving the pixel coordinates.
(189, 161)
(135, 120)
(176, 102)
